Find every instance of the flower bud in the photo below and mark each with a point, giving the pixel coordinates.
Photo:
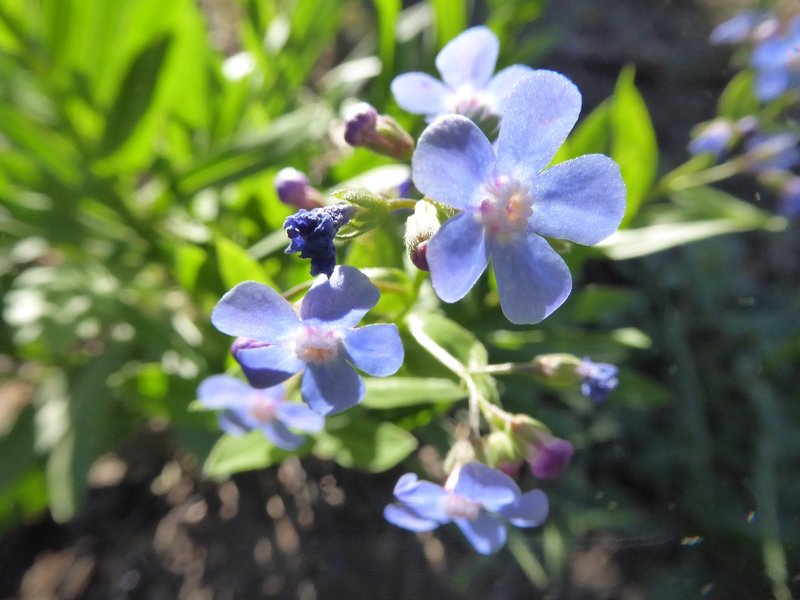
(463, 451)
(500, 449)
(311, 233)
(293, 189)
(598, 379)
(713, 138)
(558, 371)
(548, 455)
(380, 133)
(420, 227)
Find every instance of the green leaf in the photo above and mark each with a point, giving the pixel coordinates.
(450, 18)
(395, 392)
(738, 99)
(457, 341)
(388, 11)
(135, 95)
(189, 259)
(633, 141)
(236, 265)
(356, 441)
(701, 213)
(596, 303)
(233, 454)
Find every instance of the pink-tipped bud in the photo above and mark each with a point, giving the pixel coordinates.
(367, 128)
(293, 189)
(548, 456)
(420, 227)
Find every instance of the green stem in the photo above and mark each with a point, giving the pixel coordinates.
(673, 183)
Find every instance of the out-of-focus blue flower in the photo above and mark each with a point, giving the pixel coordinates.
(714, 138)
(509, 198)
(468, 88)
(476, 498)
(748, 25)
(599, 379)
(776, 60)
(771, 152)
(245, 408)
(293, 189)
(311, 233)
(790, 198)
(322, 339)
(548, 455)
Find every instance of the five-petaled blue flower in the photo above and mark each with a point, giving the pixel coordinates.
(311, 233)
(476, 498)
(599, 379)
(245, 408)
(466, 65)
(509, 198)
(322, 339)
(776, 60)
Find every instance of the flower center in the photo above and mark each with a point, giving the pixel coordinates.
(470, 103)
(262, 408)
(458, 507)
(317, 344)
(505, 208)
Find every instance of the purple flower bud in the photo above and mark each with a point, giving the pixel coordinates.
(311, 234)
(360, 127)
(548, 456)
(712, 138)
(380, 133)
(599, 379)
(293, 189)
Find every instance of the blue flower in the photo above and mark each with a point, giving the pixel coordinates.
(322, 339)
(599, 379)
(509, 198)
(776, 60)
(476, 498)
(714, 138)
(745, 26)
(466, 65)
(311, 233)
(245, 408)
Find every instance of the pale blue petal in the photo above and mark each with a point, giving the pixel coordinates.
(487, 533)
(503, 82)
(486, 486)
(457, 257)
(532, 279)
(538, 115)
(269, 365)
(419, 93)
(223, 391)
(582, 200)
(469, 58)
(300, 417)
(771, 83)
(331, 387)
(530, 510)
(405, 517)
(375, 349)
(453, 161)
(234, 422)
(424, 497)
(277, 433)
(341, 300)
(254, 310)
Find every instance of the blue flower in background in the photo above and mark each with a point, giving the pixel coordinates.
(322, 339)
(713, 138)
(468, 88)
(476, 498)
(745, 26)
(311, 233)
(599, 379)
(776, 60)
(245, 408)
(790, 198)
(509, 198)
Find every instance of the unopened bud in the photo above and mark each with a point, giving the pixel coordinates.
(559, 371)
(380, 133)
(420, 227)
(293, 189)
(463, 451)
(548, 456)
(500, 448)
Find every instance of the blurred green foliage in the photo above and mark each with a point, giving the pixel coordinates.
(138, 142)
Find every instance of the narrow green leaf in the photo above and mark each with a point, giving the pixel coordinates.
(738, 99)
(633, 142)
(450, 18)
(235, 265)
(135, 95)
(388, 11)
(395, 392)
